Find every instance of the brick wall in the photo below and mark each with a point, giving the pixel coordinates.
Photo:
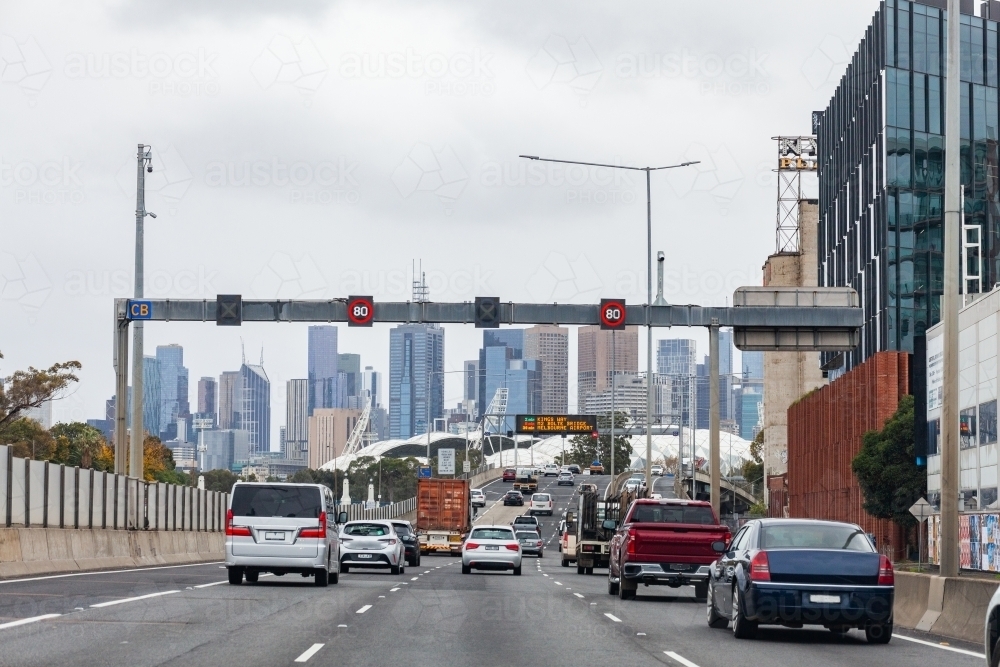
(824, 435)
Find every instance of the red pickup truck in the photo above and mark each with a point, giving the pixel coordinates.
(665, 543)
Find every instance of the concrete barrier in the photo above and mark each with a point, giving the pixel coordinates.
(32, 551)
(483, 477)
(951, 606)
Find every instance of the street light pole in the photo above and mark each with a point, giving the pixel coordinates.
(649, 285)
(143, 162)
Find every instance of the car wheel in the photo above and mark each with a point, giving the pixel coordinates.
(743, 628)
(995, 655)
(565, 563)
(701, 592)
(541, 553)
(345, 568)
(626, 590)
(235, 576)
(335, 576)
(251, 576)
(394, 569)
(840, 630)
(466, 569)
(322, 578)
(418, 560)
(590, 570)
(715, 619)
(580, 569)
(878, 633)
(517, 571)
(612, 586)
(402, 569)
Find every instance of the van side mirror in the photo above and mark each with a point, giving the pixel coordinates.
(342, 517)
(609, 525)
(719, 547)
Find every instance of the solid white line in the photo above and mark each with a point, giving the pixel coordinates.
(684, 661)
(943, 648)
(87, 574)
(363, 609)
(613, 617)
(214, 583)
(310, 652)
(140, 597)
(25, 621)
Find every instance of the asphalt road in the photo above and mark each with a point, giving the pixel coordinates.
(430, 615)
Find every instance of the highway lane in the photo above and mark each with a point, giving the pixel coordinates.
(431, 615)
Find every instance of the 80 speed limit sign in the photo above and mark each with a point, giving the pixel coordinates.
(360, 311)
(612, 314)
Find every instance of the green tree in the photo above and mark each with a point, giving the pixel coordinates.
(28, 438)
(79, 444)
(753, 470)
(219, 480)
(29, 389)
(586, 449)
(158, 463)
(887, 471)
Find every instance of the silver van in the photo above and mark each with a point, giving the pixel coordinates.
(282, 529)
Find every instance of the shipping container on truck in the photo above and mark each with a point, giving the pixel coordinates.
(443, 514)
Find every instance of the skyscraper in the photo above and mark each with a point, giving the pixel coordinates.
(349, 380)
(151, 408)
(207, 397)
(297, 420)
(230, 383)
(753, 366)
(323, 367)
(493, 366)
(677, 366)
(524, 388)
(470, 390)
(416, 367)
(173, 389)
(594, 358)
(255, 407)
(550, 345)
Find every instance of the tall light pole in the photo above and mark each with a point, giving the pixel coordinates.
(649, 288)
(949, 306)
(144, 163)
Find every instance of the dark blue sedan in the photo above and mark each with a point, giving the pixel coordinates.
(796, 572)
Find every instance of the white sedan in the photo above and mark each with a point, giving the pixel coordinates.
(491, 548)
(371, 544)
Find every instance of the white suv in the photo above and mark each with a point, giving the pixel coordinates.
(477, 497)
(541, 503)
(551, 470)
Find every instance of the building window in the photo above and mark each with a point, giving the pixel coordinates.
(987, 422)
(988, 498)
(967, 428)
(933, 436)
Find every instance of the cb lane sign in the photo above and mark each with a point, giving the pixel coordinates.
(612, 314)
(140, 310)
(360, 311)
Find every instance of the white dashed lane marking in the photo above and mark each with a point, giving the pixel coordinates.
(310, 652)
(363, 609)
(613, 617)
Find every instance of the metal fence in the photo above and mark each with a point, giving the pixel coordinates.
(357, 511)
(51, 495)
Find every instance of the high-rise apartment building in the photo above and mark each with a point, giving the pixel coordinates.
(416, 378)
(255, 407)
(524, 381)
(594, 357)
(753, 366)
(173, 389)
(208, 403)
(297, 420)
(470, 390)
(329, 430)
(550, 345)
(230, 383)
(677, 367)
(323, 367)
(350, 384)
(151, 408)
(881, 170)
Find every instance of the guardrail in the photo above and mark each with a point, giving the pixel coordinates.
(50, 495)
(357, 511)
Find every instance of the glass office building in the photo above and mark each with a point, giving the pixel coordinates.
(416, 378)
(881, 171)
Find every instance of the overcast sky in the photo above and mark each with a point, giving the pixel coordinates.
(313, 150)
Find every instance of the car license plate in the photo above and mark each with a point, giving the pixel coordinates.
(492, 548)
(678, 566)
(825, 599)
(364, 555)
(274, 536)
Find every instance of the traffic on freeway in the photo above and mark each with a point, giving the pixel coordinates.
(459, 609)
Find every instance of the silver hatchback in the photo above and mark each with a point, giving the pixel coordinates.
(283, 529)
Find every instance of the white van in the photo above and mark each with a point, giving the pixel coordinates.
(541, 503)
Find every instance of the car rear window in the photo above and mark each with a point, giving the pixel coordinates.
(492, 534)
(285, 501)
(366, 529)
(527, 536)
(544, 497)
(401, 530)
(673, 514)
(814, 536)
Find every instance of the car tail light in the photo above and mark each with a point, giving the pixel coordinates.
(760, 570)
(471, 545)
(512, 547)
(238, 531)
(631, 542)
(886, 577)
(319, 531)
(388, 541)
(538, 543)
